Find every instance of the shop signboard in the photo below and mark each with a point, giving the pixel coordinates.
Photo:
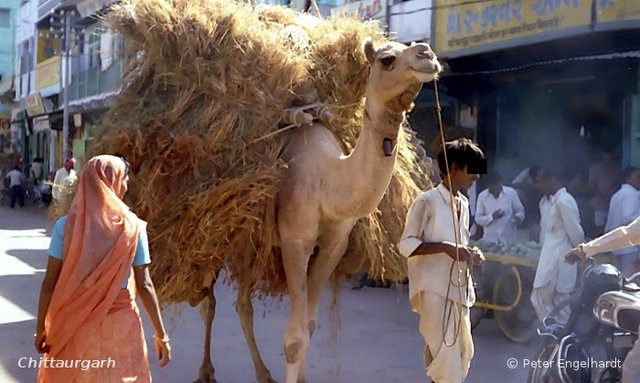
(617, 14)
(35, 106)
(463, 28)
(48, 73)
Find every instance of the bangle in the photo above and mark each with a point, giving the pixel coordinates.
(166, 338)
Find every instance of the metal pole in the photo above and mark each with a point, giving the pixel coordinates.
(65, 111)
(387, 17)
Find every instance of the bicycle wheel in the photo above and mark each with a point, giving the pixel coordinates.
(519, 324)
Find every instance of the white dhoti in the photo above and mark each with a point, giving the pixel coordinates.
(443, 363)
(545, 299)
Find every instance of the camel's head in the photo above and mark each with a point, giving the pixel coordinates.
(398, 72)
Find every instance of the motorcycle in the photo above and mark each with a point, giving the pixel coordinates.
(601, 329)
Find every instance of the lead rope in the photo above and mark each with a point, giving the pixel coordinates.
(450, 305)
(315, 8)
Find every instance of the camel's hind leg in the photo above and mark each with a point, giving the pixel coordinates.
(208, 312)
(244, 307)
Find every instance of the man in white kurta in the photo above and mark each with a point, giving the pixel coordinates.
(603, 181)
(619, 238)
(435, 286)
(499, 212)
(624, 208)
(560, 231)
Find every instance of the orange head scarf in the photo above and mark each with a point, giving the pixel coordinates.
(100, 240)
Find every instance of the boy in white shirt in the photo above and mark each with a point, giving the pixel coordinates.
(441, 289)
(499, 211)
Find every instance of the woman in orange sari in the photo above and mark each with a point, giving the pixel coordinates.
(88, 324)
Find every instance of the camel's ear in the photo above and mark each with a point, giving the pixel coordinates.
(369, 50)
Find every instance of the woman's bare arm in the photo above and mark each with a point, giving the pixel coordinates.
(54, 266)
(147, 294)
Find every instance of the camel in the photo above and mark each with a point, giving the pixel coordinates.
(325, 191)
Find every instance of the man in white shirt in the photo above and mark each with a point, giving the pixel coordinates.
(560, 231)
(439, 279)
(617, 239)
(16, 180)
(499, 211)
(65, 177)
(624, 208)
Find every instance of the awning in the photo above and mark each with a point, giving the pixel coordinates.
(609, 56)
(98, 101)
(24, 117)
(87, 8)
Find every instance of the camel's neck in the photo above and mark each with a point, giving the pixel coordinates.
(367, 171)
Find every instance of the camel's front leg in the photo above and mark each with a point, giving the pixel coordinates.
(295, 257)
(333, 244)
(244, 308)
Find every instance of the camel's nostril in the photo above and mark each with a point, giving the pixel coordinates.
(426, 54)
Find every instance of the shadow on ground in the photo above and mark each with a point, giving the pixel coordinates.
(20, 342)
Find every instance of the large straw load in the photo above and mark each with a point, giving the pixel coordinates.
(199, 118)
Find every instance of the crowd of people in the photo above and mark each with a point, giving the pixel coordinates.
(568, 210)
(434, 239)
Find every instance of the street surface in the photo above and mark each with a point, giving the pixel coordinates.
(376, 340)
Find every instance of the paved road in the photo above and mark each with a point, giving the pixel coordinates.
(376, 342)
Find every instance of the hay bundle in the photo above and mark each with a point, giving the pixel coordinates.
(199, 117)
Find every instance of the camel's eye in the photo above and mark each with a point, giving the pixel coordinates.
(388, 60)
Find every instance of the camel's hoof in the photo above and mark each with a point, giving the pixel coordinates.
(266, 378)
(206, 377)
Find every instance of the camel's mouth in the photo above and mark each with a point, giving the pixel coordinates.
(428, 71)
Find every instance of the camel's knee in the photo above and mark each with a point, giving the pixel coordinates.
(295, 345)
(293, 351)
